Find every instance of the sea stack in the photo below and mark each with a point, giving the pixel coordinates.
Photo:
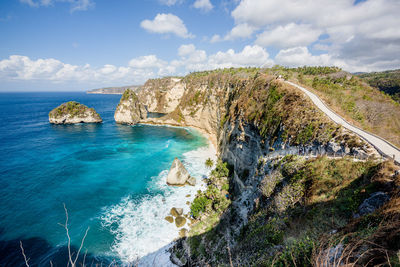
(73, 112)
(130, 110)
(178, 175)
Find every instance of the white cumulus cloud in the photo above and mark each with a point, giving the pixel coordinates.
(204, 5)
(150, 61)
(290, 35)
(165, 24)
(358, 34)
(193, 59)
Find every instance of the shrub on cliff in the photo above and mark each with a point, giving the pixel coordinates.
(221, 169)
(199, 206)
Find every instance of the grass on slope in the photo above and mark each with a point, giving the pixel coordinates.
(307, 207)
(386, 81)
(352, 98)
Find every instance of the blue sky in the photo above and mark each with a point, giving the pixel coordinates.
(80, 44)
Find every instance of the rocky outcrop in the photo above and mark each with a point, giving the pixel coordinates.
(375, 201)
(186, 102)
(130, 110)
(73, 112)
(251, 120)
(178, 175)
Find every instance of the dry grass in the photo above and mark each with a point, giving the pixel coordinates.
(358, 103)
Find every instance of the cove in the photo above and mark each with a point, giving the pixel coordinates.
(110, 177)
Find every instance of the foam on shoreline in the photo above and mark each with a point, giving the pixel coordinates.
(138, 224)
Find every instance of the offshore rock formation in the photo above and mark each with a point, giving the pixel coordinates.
(178, 175)
(129, 109)
(73, 112)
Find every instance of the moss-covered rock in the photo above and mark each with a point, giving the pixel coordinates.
(73, 112)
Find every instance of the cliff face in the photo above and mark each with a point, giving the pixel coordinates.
(189, 101)
(73, 112)
(248, 117)
(252, 119)
(129, 109)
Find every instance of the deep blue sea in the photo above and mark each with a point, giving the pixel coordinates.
(110, 177)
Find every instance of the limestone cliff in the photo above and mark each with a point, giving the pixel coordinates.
(129, 109)
(73, 112)
(246, 115)
(252, 118)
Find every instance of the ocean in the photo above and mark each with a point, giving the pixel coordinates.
(110, 177)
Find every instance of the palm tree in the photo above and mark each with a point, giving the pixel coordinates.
(209, 163)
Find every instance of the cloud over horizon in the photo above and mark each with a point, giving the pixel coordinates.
(138, 70)
(356, 36)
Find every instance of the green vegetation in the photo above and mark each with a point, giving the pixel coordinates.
(207, 209)
(352, 98)
(293, 222)
(73, 109)
(213, 199)
(129, 94)
(200, 204)
(209, 163)
(269, 105)
(386, 81)
(299, 208)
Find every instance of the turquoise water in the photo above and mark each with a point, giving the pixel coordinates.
(110, 177)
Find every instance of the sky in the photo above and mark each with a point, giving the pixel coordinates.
(76, 45)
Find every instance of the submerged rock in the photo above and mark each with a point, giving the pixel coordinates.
(180, 221)
(178, 175)
(176, 212)
(73, 112)
(129, 109)
(169, 219)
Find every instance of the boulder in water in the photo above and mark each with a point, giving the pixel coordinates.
(176, 212)
(169, 219)
(191, 181)
(178, 175)
(180, 221)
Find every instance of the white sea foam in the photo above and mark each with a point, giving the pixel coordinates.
(138, 224)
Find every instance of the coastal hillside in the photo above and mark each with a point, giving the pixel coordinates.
(113, 90)
(286, 178)
(386, 81)
(351, 97)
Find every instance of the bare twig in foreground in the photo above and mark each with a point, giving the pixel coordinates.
(72, 261)
(23, 254)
